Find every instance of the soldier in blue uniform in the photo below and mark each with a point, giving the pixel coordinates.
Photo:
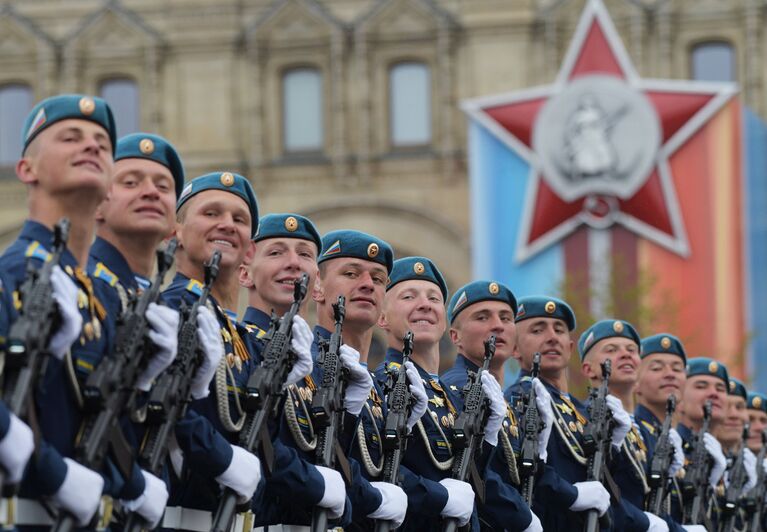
(619, 342)
(487, 308)
(544, 325)
(757, 419)
(66, 163)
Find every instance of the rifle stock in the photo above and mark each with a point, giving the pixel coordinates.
(696, 478)
(596, 443)
(663, 455)
(528, 464)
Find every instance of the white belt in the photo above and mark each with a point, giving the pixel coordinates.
(23, 512)
(177, 518)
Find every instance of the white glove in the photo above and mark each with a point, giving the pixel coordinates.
(543, 402)
(749, 462)
(80, 493)
(65, 294)
(334, 496)
(301, 343)
(15, 449)
(497, 407)
(656, 523)
(764, 466)
(151, 504)
(714, 449)
(621, 419)
(419, 395)
(694, 528)
(677, 462)
(591, 494)
(535, 525)
(163, 332)
(209, 335)
(243, 474)
(460, 500)
(360, 381)
(393, 504)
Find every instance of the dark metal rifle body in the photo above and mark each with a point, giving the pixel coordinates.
(738, 479)
(533, 425)
(662, 457)
(756, 495)
(696, 477)
(596, 443)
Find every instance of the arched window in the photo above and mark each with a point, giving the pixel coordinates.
(302, 120)
(409, 104)
(122, 96)
(713, 61)
(15, 103)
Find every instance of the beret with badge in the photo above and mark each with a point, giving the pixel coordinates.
(153, 148)
(66, 106)
(417, 269)
(286, 225)
(706, 366)
(545, 307)
(477, 291)
(357, 245)
(228, 182)
(756, 401)
(606, 329)
(736, 387)
(663, 343)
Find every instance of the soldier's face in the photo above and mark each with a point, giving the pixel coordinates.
(730, 432)
(141, 199)
(416, 306)
(757, 420)
(215, 220)
(548, 336)
(361, 282)
(660, 375)
(70, 156)
(276, 264)
(624, 355)
(697, 390)
(477, 322)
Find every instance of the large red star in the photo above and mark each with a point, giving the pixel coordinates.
(652, 211)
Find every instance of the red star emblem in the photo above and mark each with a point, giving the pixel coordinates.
(586, 185)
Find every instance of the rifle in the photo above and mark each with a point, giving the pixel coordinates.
(661, 460)
(469, 431)
(110, 389)
(171, 394)
(399, 403)
(265, 389)
(738, 479)
(596, 443)
(696, 477)
(756, 496)
(533, 424)
(28, 338)
(328, 407)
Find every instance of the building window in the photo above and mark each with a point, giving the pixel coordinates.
(409, 104)
(15, 103)
(122, 96)
(302, 110)
(713, 61)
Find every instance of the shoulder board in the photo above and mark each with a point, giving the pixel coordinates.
(526, 378)
(258, 331)
(194, 286)
(648, 426)
(105, 274)
(35, 250)
(393, 365)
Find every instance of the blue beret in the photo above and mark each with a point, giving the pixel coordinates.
(756, 401)
(228, 182)
(477, 291)
(545, 307)
(64, 106)
(153, 148)
(287, 226)
(358, 245)
(606, 329)
(663, 343)
(418, 269)
(707, 366)
(737, 387)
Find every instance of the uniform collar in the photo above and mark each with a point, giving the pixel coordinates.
(643, 413)
(104, 252)
(685, 432)
(463, 362)
(257, 317)
(181, 281)
(395, 356)
(35, 231)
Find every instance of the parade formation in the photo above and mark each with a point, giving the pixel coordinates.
(133, 404)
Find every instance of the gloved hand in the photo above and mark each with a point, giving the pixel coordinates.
(656, 523)
(151, 504)
(621, 419)
(677, 462)
(714, 449)
(419, 395)
(497, 407)
(460, 500)
(15, 449)
(591, 494)
(334, 496)
(80, 493)
(393, 504)
(65, 294)
(694, 528)
(749, 462)
(543, 401)
(360, 381)
(163, 332)
(209, 335)
(242, 475)
(535, 525)
(301, 343)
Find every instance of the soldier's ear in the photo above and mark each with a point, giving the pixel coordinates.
(383, 323)
(455, 336)
(249, 252)
(587, 371)
(318, 292)
(24, 171)
(245, 278)
(515, 354)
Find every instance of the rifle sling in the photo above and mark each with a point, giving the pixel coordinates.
(121, 451)
(342, 464)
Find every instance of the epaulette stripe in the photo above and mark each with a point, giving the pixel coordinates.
(194, 287)
(85, 365)
(37, 251)
(105, 274)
